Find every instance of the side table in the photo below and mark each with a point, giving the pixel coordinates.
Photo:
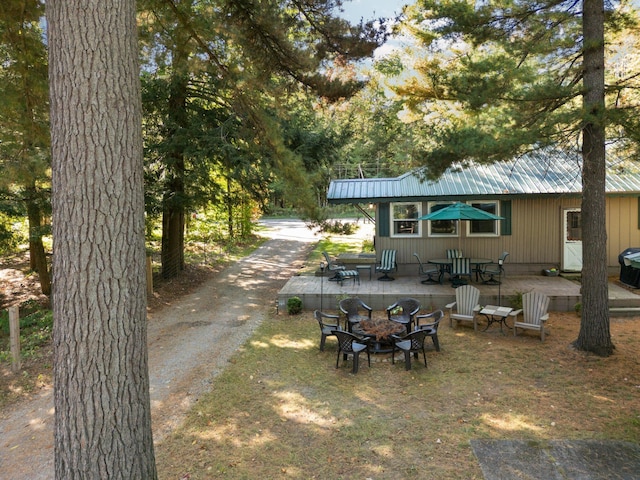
(496, 314)
(364, 267)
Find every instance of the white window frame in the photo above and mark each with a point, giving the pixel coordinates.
(417, 232)
(496, 223)
(442, 235)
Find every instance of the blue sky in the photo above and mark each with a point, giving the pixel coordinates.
(369, 9)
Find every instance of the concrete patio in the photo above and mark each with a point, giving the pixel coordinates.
(317, 292)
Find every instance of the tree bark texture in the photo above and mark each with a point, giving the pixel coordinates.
(101, 385)
(594, 335)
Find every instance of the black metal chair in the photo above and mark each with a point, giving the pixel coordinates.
(427, 270)
(493, 269)
(431, 326)
(409, 307)
(350, 344)
(327, 323)
(352, 308)
(410, 343)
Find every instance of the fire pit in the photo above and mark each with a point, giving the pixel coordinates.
(379, 330)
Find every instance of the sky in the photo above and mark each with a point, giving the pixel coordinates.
(355, 10)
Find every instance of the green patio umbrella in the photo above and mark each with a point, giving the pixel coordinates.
(460, 211)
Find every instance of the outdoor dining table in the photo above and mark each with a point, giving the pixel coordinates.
(443, 263)
(496, 314)
(379, 331)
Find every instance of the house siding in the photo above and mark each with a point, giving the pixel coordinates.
(536, 239)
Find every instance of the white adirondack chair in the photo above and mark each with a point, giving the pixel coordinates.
(466, 305)
(534, 313)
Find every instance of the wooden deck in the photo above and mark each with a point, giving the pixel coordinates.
(317, 292)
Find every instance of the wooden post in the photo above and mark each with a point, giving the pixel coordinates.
(149, 276)
(14, 334)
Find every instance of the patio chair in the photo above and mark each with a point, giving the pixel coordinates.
(431, 326)
(427, 270)
(327, 323)
(408, 308)
(460, 267)
(534, 312)
(452, 253)
(410, 343)
(333, 267)
(353, 308)
(387, 264)
(493, 269)
(350, 344)
(466, 306)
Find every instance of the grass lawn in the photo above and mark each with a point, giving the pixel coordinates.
(282, 410)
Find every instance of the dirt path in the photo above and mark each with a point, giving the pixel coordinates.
(189, 344)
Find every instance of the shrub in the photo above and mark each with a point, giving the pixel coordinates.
(294, 306)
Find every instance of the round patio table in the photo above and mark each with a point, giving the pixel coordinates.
(379, 330)
(442, 263)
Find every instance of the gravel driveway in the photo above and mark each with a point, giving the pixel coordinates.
(189, 344)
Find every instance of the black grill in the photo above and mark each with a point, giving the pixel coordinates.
(629, 275)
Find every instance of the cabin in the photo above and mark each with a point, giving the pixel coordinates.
(538, 196)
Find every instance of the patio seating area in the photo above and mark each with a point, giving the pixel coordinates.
(316, 292)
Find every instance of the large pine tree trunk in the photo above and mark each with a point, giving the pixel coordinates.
(594, 335)
(102, 407)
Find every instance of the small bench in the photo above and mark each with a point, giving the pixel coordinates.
(346, 274)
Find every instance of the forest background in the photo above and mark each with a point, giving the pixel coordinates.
(250, 106)
(257, 117)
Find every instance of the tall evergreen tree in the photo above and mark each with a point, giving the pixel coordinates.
(242, 57)
(24, 127)
(499, 78)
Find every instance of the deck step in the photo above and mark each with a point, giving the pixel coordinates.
(624, 312)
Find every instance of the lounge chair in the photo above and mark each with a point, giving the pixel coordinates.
(466, 305)
(333, 267)
(534, 312)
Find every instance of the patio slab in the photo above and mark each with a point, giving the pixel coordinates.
(318, 292)
(558, 459)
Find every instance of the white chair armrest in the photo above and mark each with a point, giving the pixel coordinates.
(515, 313)
(544, 318)
(477, 308)
(450, 306)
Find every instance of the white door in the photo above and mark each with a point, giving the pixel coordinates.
(572, 250)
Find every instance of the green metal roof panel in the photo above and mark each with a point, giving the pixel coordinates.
(535, 173)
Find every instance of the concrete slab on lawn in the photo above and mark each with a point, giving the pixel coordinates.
(557, 459)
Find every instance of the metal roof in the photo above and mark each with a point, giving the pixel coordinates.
(552, 172)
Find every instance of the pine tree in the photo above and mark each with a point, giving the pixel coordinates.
(503, 77)
(24, 117)
(240, 59)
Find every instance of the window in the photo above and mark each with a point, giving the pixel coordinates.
(574, 226)
(404, 219)
(484, 227)
(442, 228)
